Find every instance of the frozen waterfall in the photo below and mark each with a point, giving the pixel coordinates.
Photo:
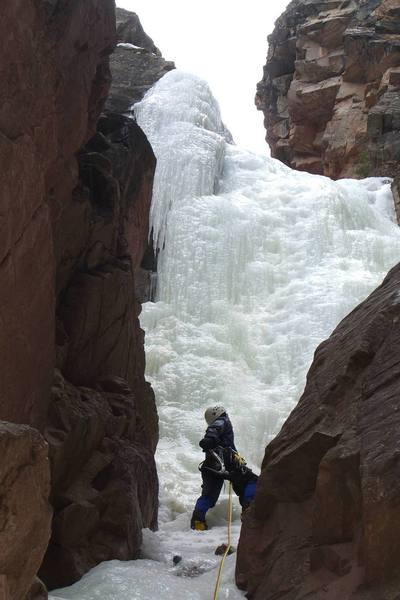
(257, 264)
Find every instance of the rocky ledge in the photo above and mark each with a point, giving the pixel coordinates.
(330, 90)
(326, 518)
(136, 64)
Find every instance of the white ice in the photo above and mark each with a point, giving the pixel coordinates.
(257, 264)
(129, 46)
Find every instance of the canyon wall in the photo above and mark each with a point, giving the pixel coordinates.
(330, 90)
(75, 192)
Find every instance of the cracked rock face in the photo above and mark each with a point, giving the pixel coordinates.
(25, 512)
(326, 518)
(330, 91)
(52, 89)
(75, 192)
(136, 64)
(102, 425)
(130, 31)
(103, 477)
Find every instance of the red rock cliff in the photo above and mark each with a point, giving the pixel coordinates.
(75, 192)
(330, 91)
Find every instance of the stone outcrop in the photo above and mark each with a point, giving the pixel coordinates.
(326, 518)
(136, 64)
(103, 477)
(130, 31)
(75, 192)
(25, 512)
(330, 91)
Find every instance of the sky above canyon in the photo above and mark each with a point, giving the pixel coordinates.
(222, 41)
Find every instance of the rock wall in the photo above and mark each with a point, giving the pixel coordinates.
(102, 423)
(136, 64)
(130, 31)
(326, 518)
(75, 192)
(25, 512)
(330, 90)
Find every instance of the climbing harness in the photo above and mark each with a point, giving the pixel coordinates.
(228, 546)
(217, 461)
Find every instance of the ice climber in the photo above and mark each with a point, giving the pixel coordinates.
(222, 462)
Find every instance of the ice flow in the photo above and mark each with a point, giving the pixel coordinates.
(256, 265)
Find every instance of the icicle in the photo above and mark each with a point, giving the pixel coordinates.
(182, 121)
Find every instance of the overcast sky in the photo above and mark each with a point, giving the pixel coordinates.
(223, 41)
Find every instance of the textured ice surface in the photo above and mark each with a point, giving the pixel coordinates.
(183, 122)
(148, 580)
(156, 578)
(257, 265)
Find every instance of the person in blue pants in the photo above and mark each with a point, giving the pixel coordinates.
(222, 462)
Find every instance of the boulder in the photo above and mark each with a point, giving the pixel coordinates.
(104, 481)
(25, 512)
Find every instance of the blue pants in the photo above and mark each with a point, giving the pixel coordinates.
(211, 489)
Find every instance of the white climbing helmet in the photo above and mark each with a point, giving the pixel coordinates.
(213, 412)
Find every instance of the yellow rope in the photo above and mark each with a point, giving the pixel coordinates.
(221, 565)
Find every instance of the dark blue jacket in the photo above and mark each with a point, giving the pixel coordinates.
(219, 433)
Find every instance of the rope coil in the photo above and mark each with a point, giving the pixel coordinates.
(228, 547)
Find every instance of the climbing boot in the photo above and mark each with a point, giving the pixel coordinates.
(198, 525)
(198, 522)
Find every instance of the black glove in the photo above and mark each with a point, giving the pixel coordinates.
(207, 443)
